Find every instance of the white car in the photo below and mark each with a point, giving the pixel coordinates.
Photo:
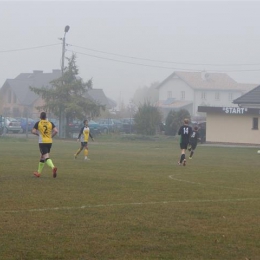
(10, 124)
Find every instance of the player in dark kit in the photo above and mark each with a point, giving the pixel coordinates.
(185, 132)
(193, 141)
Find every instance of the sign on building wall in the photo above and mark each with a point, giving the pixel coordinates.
(229, 110)
(235, 110)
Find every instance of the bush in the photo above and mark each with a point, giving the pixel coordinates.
(174, 120)
(147, 119)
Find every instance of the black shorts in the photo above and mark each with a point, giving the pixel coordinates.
(45, 148)
(184, 145)
(84, 144)
(193, 146)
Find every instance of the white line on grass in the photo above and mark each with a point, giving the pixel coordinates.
(198, 183)
(128, 204)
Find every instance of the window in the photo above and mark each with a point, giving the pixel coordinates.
(217, 95)
(203, 95)
(230, 96)
(255, 123)
(182, 95)
(169, 94)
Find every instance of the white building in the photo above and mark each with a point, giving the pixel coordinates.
(237, 125)
(188, 90)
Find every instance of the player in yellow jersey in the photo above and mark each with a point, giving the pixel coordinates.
(83, 137)
(46, 130)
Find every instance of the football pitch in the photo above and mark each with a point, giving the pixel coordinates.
(130, 201)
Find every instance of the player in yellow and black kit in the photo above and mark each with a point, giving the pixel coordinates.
(46, 130)
(83, 137)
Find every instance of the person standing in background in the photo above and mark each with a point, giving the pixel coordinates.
(83, 137)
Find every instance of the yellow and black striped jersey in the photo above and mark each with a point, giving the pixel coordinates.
(84, 134)
(44, 128)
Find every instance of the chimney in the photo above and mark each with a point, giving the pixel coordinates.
(205, 75)
(56, 71)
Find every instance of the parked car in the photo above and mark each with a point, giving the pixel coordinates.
(54, 121)
(119, 125)
(109, 125)
(26, 121)
(128, 125)
(94, 127)
(10, 124)
(75, 126)
(1, 125)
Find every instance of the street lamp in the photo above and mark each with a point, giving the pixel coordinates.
(63, 47)
(62, 117)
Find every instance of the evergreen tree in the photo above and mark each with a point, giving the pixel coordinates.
(174, 120)
(67, 95)
(147, 119)
(146, 94)
(170, 126)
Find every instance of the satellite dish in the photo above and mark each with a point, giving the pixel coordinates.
(66, 29)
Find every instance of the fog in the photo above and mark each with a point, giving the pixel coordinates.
(124, 45)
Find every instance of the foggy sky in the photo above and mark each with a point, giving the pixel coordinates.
(120, 43)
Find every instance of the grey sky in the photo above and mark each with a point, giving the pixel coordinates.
(219, 36)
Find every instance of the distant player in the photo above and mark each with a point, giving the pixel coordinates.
(184, 132)
(83, 137)
(46, 130)
(193, 141)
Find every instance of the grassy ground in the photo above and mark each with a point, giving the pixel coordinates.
(130, 201)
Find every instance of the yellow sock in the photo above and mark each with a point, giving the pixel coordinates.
(78, 151)
(86, 152)
(50, 163)
(40, 167)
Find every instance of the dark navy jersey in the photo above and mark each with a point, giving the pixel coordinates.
(194, 136)
(185, 132)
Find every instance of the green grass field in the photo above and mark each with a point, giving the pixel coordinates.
(130, 201)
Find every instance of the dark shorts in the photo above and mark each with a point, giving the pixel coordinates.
(193, 146)
(45, 148)
(84, 144)
(184, 145)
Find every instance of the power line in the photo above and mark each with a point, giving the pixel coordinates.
(31, 48)
(127, 62)
(163, 67)
(144, 59)
(163, 61)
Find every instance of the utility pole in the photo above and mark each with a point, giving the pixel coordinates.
(62, 117)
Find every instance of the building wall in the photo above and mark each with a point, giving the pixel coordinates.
(10, 104)
(176, 86)
(231, 128)
(225, 98)
(198, 97)
(34, 113)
